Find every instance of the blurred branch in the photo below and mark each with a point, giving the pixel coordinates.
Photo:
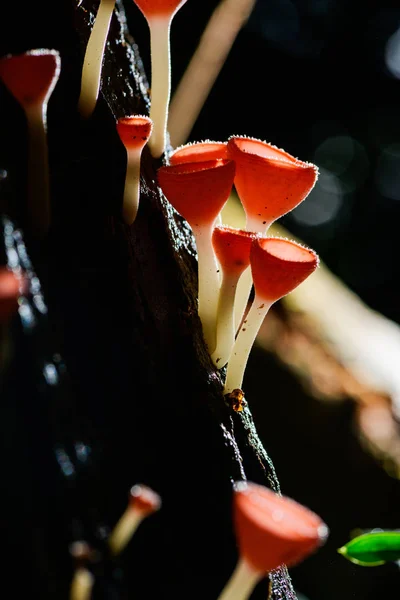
(214, 46)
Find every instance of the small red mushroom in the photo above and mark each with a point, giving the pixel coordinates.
(199, 191)
(198, 151)
(143, 501)
(232, 249)
(31, 78)
(93, 60)
(134, 132)
(10, 290)
(269, 181)
(159, 15)
(271, 530)
(278, 266)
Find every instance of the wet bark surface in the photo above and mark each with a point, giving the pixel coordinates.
(108, 382)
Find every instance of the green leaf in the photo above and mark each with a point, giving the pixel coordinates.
(373, 549)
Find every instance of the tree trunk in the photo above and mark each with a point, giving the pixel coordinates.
(112, 385)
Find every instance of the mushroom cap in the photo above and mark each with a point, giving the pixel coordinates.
(269, 181)
(144, 499)
(134, 131)
(31, 76)
(198, 151)
(232, 248)
(10, 290)
(279, 265)
(273, 530)
(159, 8)
(198, 190)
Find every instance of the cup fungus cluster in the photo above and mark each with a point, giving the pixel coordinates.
(197, 179)
(269, 182)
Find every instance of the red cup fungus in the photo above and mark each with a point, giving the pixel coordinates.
(198, 151)
(134, 133)
(232, 249)
(31, 78)
(199, 191)
(271, 530)
(278, 266)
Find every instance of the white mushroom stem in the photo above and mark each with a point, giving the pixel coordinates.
(38, 169)
(91, 71)
(81, 585)
(241, 583)
(246, 280)
(132, 186)
(125, 528)
(225, 321)
(160, 82)
(208, 283)
(244, 343)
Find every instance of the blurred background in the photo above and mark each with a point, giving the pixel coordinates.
(321, 79)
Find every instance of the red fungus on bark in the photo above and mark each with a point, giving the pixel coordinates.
(199, 191)
(232, 249)
(143, 501)
(271, 530)
(134, 133)
(31, 78)
(198, 151)
(278, 266)
(159, 15)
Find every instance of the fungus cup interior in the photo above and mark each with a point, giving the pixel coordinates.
(279, 265)
(259, 148)
(199, 151)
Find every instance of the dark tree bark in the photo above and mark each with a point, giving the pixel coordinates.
(112, 385)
